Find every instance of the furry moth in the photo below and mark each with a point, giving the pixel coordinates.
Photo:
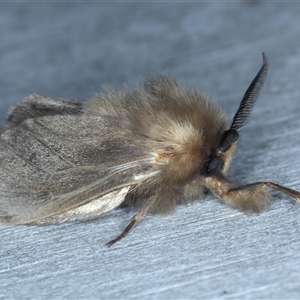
(153, 147)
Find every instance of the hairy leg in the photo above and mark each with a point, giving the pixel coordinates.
(251, 197)
(138, 217)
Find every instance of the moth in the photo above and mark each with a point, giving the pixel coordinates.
(151, 147)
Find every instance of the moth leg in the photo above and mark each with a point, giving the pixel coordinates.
(258, 198)
(284, 190)
(251, 197)
(37, 106)
(138, 217)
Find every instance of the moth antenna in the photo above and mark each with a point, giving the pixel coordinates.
(231, 135)
(250, 96)
(138, 217)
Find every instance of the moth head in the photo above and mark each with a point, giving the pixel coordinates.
(220, 157)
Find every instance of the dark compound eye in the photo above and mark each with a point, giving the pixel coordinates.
(213, 165)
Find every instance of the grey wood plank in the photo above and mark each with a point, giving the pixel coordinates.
(204, 249)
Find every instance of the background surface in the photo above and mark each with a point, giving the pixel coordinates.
(202, 250)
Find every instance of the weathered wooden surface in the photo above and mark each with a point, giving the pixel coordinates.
(205, 249)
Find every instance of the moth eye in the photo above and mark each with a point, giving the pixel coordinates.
(213, 165)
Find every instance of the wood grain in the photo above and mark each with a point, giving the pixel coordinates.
(202, 250)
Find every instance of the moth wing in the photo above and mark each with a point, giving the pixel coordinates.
(91, 209)
(37, 106)
(53, 164)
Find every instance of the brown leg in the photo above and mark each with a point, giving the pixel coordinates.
(287, 191)
(138, 217)
(251, 197)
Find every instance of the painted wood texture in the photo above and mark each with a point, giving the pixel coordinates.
(202, 250)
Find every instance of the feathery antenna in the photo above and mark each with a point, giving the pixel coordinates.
(246, 106)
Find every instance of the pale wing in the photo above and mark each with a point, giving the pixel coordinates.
(89, 210)
(51, 164)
